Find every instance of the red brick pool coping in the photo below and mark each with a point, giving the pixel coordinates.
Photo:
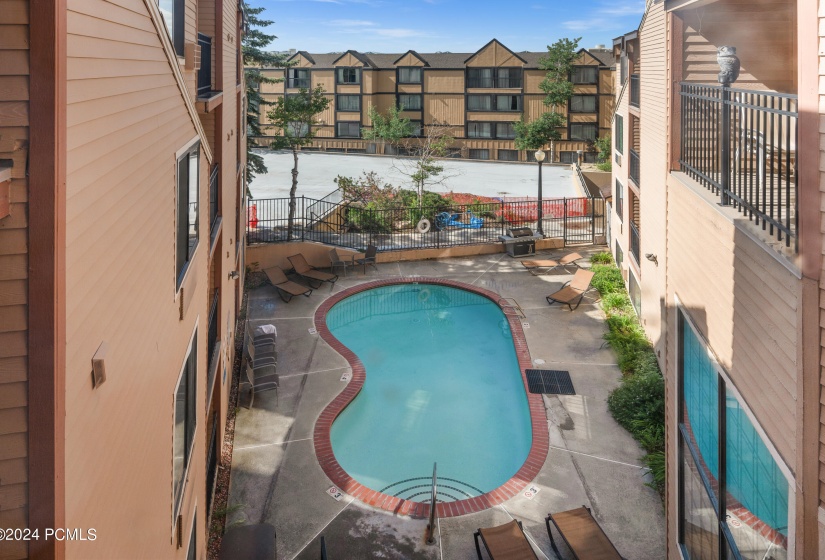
(323, 444)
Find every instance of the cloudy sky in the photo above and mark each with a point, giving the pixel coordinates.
(444, 25)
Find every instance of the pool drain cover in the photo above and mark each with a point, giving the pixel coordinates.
(550, 382)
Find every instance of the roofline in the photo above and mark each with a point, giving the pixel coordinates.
(305, 54)
(490, 42)
(363, 58)
(415, 54)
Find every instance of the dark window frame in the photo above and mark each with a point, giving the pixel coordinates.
(582, 68)
(186, 244)
(619, 134)
(189, 378)
(408, 68)
(348, 123)
(338, 97)
(339, 78)
(508, 152)
(595, 99)
(492, 129)
(497, 128)
(420, 124)
(420, 97)
(478, 151)
(515, 76)
(618, 203)
(177, 30)
(571, 136)
(291, 81)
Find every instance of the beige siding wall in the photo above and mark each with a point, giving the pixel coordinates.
(14, 136)
(444, 81)
(126, 118)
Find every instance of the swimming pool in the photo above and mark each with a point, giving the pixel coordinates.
(442, 382)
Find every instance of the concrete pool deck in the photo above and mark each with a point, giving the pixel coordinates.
(276, 478)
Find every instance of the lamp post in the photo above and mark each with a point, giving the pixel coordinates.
(540, 159)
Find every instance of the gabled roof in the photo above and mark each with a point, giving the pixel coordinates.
(362, 57)
(490, 43)
(415, 54)
(604, 56)
(305, 54)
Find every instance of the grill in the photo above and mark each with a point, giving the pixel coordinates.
(520, 241)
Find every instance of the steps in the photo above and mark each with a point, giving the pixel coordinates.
(418, 489)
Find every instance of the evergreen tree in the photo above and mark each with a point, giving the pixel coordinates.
(255, 58)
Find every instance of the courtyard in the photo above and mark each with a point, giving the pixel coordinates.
(277, 482)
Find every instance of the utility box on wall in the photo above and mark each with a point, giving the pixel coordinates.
(5, 187)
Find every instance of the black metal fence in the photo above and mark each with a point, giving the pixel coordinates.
(213, 195)
(212, 341)
(634, 242)
(576, 220)
(741, 144)
(205, 71)
(635, 90)
(635, 167)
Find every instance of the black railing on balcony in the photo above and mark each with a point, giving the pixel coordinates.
(741, 144)
(634, 241)
(212, 462)
(213, 195)
(297, 83)
(205, 71)
(634, 167)
(634, 90)
(212, 341)
(501, 82)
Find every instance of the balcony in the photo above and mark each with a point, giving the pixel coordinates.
(500, 82)
(634, 167)
(741, 145)
(213, 197)
(297, 83)
(208, 99)
(634, 241)
(213, 345)
(635, 92)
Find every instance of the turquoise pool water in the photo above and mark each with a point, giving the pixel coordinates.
(442, 385)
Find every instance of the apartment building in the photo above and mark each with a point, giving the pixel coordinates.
(121, 159)
(717, 226)
(475, 96)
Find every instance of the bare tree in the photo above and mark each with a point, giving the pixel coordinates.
(424, 168)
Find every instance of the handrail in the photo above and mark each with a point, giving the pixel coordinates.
(433, 503)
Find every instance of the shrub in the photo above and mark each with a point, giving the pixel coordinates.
(602, 258)
(607, 279)
(606, 166)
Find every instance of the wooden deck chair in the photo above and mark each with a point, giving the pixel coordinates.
(582, 534)
(537, 267)
(310, 273)
(505, 542)
(573, 290)
(286, 288)
(368, 258)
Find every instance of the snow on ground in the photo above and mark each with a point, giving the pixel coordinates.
(317, 171)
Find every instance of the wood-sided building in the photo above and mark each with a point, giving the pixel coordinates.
(476, 96)
(122, 150)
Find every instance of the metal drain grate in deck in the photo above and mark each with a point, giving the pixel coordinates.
(550, 382)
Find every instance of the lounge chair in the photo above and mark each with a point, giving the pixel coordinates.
(505, 542)
(574, 290)
(260, 355)
(336, 260)
(368, 258)
(286, 288)
(259, 336)
(582, 534)
(310, 273)
(272, 382)
(537, 267)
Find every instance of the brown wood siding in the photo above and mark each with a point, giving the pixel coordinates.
(126, 119)
(763, 33)
(14, 134)
(494, 54)
(444, 109)
(447, 81)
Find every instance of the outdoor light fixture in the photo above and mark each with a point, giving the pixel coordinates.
(540, 158)
(652, 258)
(234, 275)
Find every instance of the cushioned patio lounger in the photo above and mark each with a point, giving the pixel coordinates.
(582, 534)
(505, 542)
(310, 273)
(537, 267)
(286, 288)
(574, 290)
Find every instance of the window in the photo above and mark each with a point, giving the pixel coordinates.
(585, 75)
(583, 104)
(183, 435)
(591, 157)
(298, 78)
(717, 436)
(635, 293)
(191, 553)
(480, 77)
(350, 103)
(583, 131)
(410, 102)
(187, 222)
(619, 201)
(416, 128)
(508, 155)
(297, 129)
(174, 15)
(409, 75)
(508, 103)
(619, 255)
(619, 134)
(349, 75)
(505, 130)
(568, 157)
(494, 77)
(479, 154)
(349, 129)
(479, 130)
(623, 66)
(479, 103)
